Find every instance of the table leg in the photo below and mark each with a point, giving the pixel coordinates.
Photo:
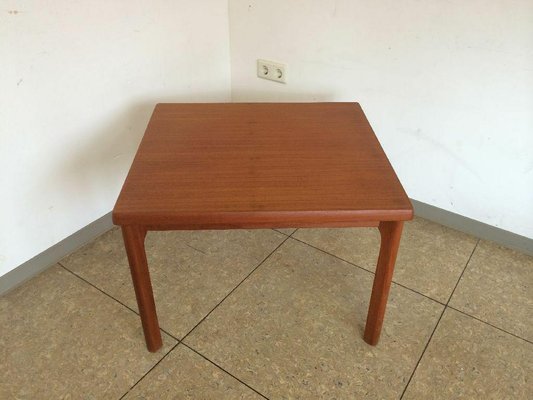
(391, 232)
(134, 243)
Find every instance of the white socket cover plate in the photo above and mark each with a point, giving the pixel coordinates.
(272, 71)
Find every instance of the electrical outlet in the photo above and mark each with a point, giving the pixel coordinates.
(272, 71)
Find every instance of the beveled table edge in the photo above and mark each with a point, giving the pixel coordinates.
(260, 219)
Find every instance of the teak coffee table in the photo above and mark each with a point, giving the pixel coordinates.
(260, 165)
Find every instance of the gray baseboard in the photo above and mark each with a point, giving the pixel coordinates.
(473, 227)
(447, 218)
(54, 254)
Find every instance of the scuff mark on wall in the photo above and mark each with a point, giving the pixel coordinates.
(417, 133)
(334, 12)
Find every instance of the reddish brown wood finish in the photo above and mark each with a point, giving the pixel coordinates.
(209, 166)
(391, 232)
(269, 165)
(134, 242)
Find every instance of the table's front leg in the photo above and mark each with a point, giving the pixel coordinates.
(391, 232)
(134, 242)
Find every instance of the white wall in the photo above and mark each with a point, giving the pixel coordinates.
(447, 86)
(78, 80)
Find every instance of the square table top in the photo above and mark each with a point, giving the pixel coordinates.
(252, 165)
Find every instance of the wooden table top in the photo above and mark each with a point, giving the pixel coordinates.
(252, 165)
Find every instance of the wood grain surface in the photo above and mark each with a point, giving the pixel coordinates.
(252, 165)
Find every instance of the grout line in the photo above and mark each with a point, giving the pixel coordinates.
(111, 297)
(97, 288)
(235, 288)
(135, 312)
(194, 248)
(462, 273)
(419, 293)
(276, 230)
(423, 352)
(150, 370)
(446, 305)
(489, 324)
(366, 270)
(227, 372)
(438, 322)
(178, 340)
(333, 255)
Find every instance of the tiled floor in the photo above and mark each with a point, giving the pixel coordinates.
(278, 315)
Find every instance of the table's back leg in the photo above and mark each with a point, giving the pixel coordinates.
(391, 232)
(134, 242)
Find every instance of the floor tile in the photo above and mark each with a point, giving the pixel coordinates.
(430, 260)
(183, 374)
(294, 329)
(467, 359)
(61, 338)
(191, 270)
(497, 287)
